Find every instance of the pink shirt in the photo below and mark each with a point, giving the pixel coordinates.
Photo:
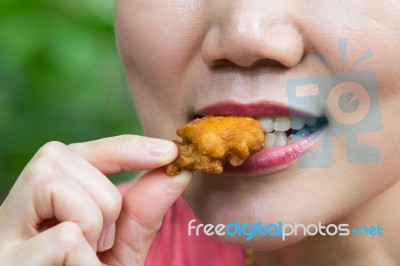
(173, 246)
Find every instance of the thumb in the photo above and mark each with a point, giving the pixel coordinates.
(144, 206)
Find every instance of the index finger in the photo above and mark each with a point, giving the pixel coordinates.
(126, 153)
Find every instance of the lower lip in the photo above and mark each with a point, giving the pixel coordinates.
(274, 158)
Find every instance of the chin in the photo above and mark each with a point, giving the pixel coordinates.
(288, 195)
(267, 199)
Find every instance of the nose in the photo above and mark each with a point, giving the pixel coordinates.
(247, 33)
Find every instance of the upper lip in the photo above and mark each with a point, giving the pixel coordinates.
(255, 109)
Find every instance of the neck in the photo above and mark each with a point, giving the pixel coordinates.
(349, 250)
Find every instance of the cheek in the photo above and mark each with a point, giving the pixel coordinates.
(374, 26)
(388, 138)
(158, 50)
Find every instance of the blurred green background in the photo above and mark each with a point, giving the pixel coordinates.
(60, 79)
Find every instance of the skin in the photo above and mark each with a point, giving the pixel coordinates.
(170, 50)
(190, 54)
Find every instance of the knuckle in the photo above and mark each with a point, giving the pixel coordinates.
(51, 149)
(76, 147)
(149, 225)
(126, 142)
(173, 189)
(46, 164)
(41, 169)
(113, 205)
(126, 138)
(69, 235)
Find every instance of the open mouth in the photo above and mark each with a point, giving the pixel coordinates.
(283, 130)
(288, 133)
(280, 131)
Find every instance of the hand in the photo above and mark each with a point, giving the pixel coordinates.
(63, 210)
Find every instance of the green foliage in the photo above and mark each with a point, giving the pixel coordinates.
(60, 79)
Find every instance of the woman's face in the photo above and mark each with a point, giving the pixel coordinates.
(189, 57)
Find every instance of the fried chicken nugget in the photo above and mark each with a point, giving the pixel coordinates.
(210, 142)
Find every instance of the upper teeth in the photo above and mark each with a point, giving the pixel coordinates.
(275, 127)
(267, 124)
(297, 123)
(281, 123)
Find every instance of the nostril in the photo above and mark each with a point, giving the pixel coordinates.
(268, 62)
(222, 63)
(256, 64)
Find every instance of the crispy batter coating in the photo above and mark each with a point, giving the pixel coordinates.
(210, 142)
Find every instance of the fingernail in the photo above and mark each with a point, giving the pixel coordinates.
(160, 148)
(104, 239)
(109, 238)
(184, 177)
